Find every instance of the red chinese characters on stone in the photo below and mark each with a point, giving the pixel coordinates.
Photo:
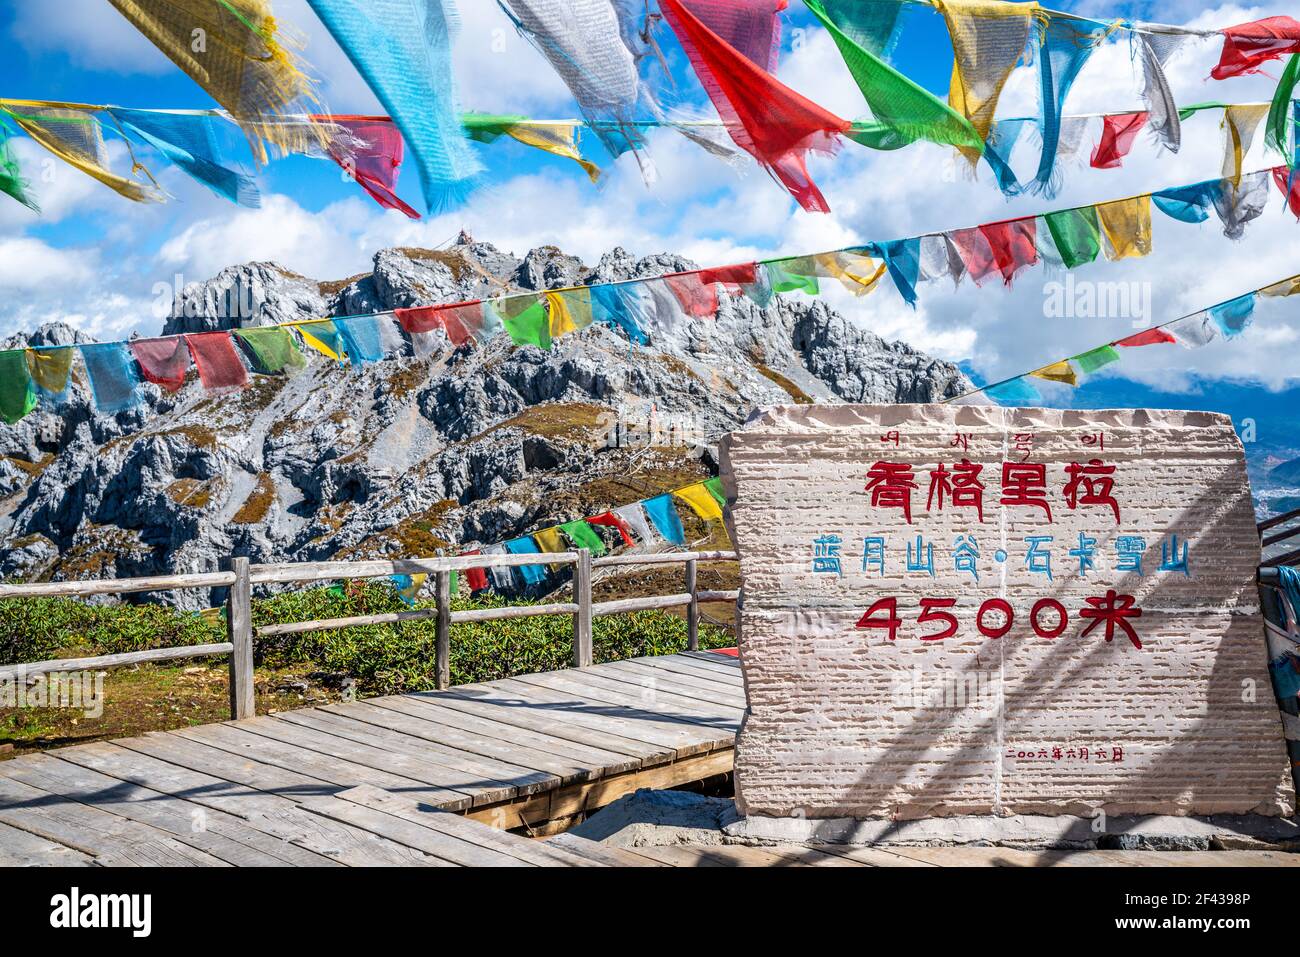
(1091, 484)
(1025, 483)
(1115, 610)
(891, 485)
(961, 485)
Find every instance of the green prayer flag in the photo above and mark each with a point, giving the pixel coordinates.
(909, 110)
(17, 394)
(1279, 113)
(526, 321)
(488, 127)
(1096, 358)
(714, 485)
(1077, 235)
(11, 175)
(583, 536)
(791, 275)
(273, 348)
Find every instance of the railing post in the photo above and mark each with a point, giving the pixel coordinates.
(692, 610)
(442, 631)
(582, 657)
(239, 628)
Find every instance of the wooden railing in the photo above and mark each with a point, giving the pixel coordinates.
(242, 576)
(1286, 534)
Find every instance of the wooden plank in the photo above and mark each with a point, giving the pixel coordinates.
(387, 768)
(557, 770)
(239, 632)
(539, 853)
(445, 847)
(601, 853)
(442, 630)
(214, 832)
(680, 737)
(22, 849)
(711, 658)
(235, 767)
(111, 840)
(296, 572)
(479, 769)
(508, 705)
(582, 653)
(197, 789)
(117, 586)
(693, 609)
(432, 709)
(871, 856)
(336, 770)
(623, 605)
(512, 611)
(708, 724)
(687, 686)
(730, 677)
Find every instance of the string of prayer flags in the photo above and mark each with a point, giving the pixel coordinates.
(1117, 135)
(558, 139)
(767, 119)
(218, 362)
(235, 50)
(76, 137)
(988, 38)
(863, 33)
(1247, 46)
(1126, 224)
(112, 373)
(533, 574)
(373, 157)
(51, 371)
(164, 362)
(403, 50)
(608, 519)
(701, 501)
(193, 143)
(1067, 44)
(323, 336)
(273, 349)
(665, 519)
(584, 44)
(17, 392)
(583, 536)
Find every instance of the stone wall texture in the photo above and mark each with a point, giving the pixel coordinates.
(849, 721)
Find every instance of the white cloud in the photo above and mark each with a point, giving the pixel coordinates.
(91, 33)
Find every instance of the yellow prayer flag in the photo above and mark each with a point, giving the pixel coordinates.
(322, 341)
(988, 37)
(556, 139)
(550, 540)
(50, 368)
(569, 310)
(75, 136)
(1127, 226)
(1287, 287)
(701, 502)
(858, 273)
(1241, 122)
(1058, 372)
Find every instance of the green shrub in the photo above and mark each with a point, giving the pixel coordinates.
(384, 659)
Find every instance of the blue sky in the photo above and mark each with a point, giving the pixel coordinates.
(94, 259)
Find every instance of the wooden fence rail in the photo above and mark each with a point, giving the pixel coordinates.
(241, 576)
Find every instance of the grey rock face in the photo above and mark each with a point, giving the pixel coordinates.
(414, 456)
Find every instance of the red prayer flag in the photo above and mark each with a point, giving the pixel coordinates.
(1004, 248)
(975, 252)
(475, 577)
(460, 321)
(1248, 45)
(377, 159)
(698, 298)
(1117, 135)
(1288, 181)
(163, 362)
(220, 368)
(1147, 337)
(610, 520)
(767, 119)
(732, 277)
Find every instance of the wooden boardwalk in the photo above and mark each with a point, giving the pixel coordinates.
(428, 779)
